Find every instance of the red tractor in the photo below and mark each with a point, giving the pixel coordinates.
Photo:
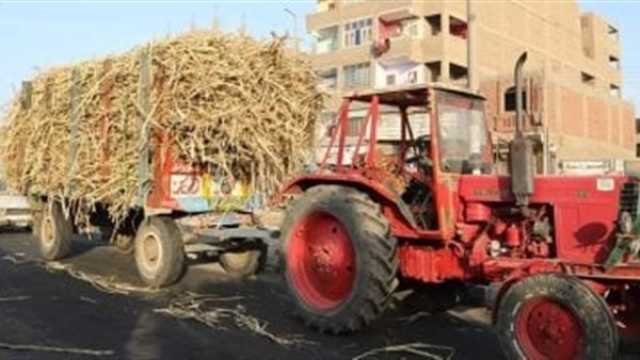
(558, 255)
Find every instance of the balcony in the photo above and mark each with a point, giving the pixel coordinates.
(342, 56)
(402, 73)
(326, 5)
(349, 11)
(405, 48)
(326, 40)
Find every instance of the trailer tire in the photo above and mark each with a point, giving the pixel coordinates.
(242, 263)
(55, 232)
(343, 279)
(555, 316)
(159, 251)
(122, 241)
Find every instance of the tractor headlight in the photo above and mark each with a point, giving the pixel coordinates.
(625, 223)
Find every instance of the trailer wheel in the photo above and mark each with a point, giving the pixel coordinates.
(554, 316)
(124, 243)
(121, 241)
(242, 263)
(340, 262)
(55, 232)
(159, 251)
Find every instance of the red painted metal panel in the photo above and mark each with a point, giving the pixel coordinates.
(431, 265)
(585, 209)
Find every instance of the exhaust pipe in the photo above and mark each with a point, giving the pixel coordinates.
(521, 148)
(519, 96)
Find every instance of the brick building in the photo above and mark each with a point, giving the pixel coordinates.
(574, 76)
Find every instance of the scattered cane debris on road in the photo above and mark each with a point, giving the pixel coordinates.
(101, 283)
(40, 348)
(419, 349)
(17, 258)
(187, 305)
(193, 306)
(14, 298)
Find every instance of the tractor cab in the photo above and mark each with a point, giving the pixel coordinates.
(457, 140)
(456, 143)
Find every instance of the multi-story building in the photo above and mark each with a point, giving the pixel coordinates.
(638, 137)
(574, 75)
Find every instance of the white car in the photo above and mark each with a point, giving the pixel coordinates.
(14, 209)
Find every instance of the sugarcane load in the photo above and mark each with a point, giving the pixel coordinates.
(200, 123)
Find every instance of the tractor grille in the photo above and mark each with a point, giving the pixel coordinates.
(629, 198)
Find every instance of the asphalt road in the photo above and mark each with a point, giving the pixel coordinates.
(49, 308)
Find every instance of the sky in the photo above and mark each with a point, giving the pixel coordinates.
(38, 34)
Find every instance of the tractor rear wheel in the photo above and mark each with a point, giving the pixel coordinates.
(55, 232)
(554, 316)
(340, 260)
(159, 251)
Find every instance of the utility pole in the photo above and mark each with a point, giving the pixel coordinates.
(471, 46)
(296, 38)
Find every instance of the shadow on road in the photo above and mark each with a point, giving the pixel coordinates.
(64, 312)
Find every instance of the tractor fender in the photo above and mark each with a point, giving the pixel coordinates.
(378, 191)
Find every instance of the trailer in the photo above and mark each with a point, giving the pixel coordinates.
(182, 210)
(188, 212)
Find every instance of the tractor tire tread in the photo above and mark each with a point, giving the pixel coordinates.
(599, 327)
(375, 287)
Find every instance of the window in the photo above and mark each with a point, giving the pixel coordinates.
(358, 32)
(614, 62)
(435, 24)
(614, 90)
(391, 80)
(412, 29)
(614, 35)
(412, 77)
(458, 28)
(358, 75)
(510, 99)
(462, 129)
(326, 5)
(409, 28)
(328, 78)
(326, 40)
(355, 123)
(457, 73)
(588, 79)
(433, 71)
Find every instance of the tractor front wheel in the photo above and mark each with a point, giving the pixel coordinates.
(554, 316)
(159, 251)
(340, 259)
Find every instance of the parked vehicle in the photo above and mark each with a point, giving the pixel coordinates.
(14, 209)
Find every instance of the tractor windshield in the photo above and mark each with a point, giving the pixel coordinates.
(463, 137)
